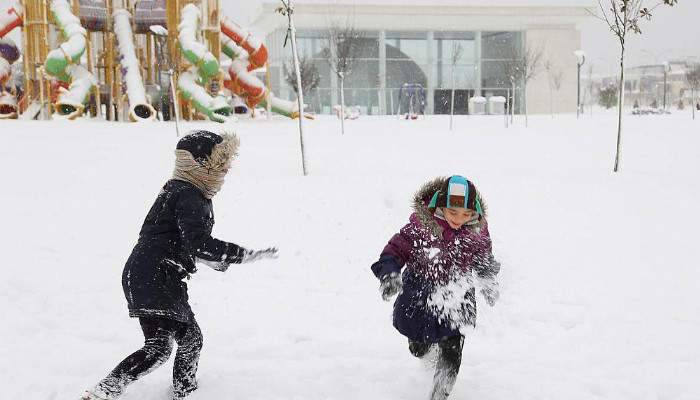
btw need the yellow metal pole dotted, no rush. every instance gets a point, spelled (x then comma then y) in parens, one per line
(44, 52)
(25, 51)
(268, 92)
(96, 72)
(108, 76)
(173, 16)
(35, 48)
(212, 35)
(149, 58)
(41, 88)
(109, 61)
(117, 79)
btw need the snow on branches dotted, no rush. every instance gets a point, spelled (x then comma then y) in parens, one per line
(624, 16)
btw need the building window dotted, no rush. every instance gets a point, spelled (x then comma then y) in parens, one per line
(460, 47)
(410, 59)
(498, 49)
(501, 45)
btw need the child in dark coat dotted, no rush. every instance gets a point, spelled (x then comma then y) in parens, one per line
(443, 247)
(175, 236)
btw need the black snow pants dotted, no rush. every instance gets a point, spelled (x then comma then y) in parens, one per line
(448, 363)
(159, 334)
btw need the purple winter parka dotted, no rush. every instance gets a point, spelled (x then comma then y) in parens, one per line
(438, 296)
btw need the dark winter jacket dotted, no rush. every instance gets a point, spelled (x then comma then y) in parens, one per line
(175, 234)
(438, 298)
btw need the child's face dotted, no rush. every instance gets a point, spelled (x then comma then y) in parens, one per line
(458, 216)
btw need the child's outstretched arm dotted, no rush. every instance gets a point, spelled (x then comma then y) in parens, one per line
(218, 254)
(392, 259)
(486, 268)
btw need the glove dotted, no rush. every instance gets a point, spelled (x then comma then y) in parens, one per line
(390, 285)
(255, 255)
(489, 289)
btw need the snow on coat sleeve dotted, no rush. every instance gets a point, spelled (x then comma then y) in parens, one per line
(485, 265)
(395, 254)
(194, 223)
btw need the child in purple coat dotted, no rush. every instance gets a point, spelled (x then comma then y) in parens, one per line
(444, 248)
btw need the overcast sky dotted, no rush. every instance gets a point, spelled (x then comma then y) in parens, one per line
(673, 33)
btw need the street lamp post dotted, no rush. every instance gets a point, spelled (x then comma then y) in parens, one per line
(580, 60)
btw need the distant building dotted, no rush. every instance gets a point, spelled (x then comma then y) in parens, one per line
(411, 43)
(644, 84)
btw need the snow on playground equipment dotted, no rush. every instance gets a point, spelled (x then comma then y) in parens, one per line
(139, 107)
(11, 19)
(8, 106)
(109, 57)
(8, 101)
(247, 54)
(9, 53)
(204, 64)
(64, 62)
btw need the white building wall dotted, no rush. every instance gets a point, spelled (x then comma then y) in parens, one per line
(558, 46)
(555, 29)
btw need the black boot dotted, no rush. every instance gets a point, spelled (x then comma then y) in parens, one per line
(449, 361)
(189, 345)
(419, 349)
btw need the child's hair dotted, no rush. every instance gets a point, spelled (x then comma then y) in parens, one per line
(457, 191)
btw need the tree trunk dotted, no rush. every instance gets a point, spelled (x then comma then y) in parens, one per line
(525, 93)
(391, 102)
(512, 106)
(175, 102)
(342, 104)
(300, 93)
(692, 96)
(620, 105)
(452, 97)
(551, 101)
(505, 108)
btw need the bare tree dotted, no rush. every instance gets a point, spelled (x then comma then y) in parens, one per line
(310, 77)
(692, 76)
(457, 51)
(511, 68)
(521, 68)
(623, 17)
(342, 51)
(530, 67)
(287, 9)
(555, 77)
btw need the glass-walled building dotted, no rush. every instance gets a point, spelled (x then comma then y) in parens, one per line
(467, 49)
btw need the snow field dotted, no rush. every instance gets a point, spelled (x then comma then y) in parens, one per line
(599, 280)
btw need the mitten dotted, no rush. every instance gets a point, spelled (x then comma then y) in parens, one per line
(489, 289)
(255, 255)
(390, 285)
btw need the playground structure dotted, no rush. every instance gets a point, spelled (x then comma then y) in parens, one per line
(411, 100)
(130, 61)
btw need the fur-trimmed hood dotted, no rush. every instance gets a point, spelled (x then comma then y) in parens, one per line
(426, 216)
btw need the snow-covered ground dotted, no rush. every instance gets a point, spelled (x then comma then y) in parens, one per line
(600, 279)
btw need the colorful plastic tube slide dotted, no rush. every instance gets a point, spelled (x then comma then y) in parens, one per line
(11, 19)
(247, 54)
(139, 107)
(204, 67)
(64, 62)
(9, 53)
